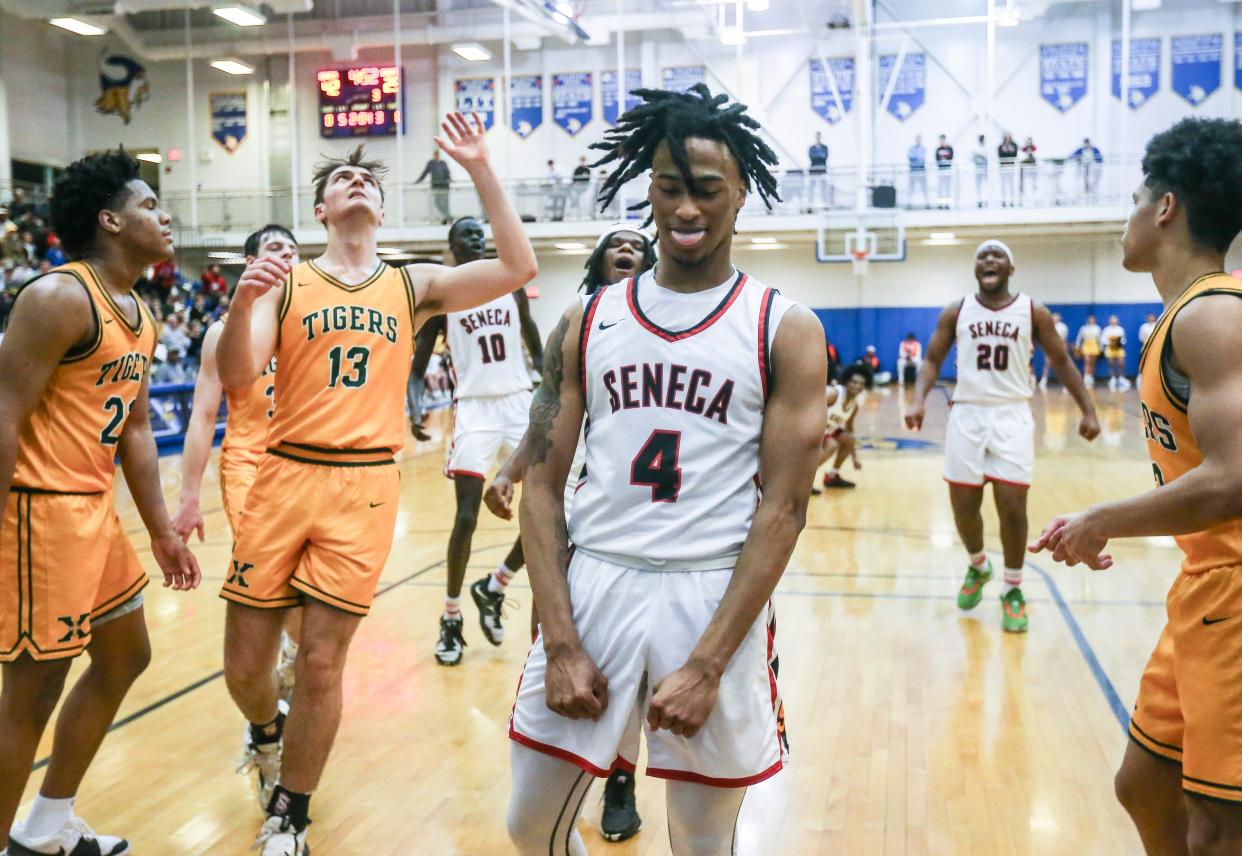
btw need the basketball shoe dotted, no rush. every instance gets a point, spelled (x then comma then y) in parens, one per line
(264, 760)
(285, 668)
(620, 820)
(449, 648)
(73, 837)
(279, 838)
(971, 592)
(835, 480)
(1013, 606)
(489, 603)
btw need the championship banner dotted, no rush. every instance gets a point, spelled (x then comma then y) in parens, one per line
(1237, 60)
(680, 78)
(608, 93)
(1196, 66)
(228, 119)
(572, 100)
(822, 100)
(911, 84)
(477, 94)
(525, 103)
(1144, 70)
(1063, 74)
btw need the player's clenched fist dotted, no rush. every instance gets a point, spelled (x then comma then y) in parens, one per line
(260, 277)
(576, 688)
(499, 497)
(914, 417)
(683, 701)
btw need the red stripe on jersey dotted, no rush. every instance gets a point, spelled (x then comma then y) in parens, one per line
(588, 317)
(765, 310)
(631, 297)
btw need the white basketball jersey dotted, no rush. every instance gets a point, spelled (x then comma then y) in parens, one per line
(994, 348)
(673, 425)
(840, 413)
(486, 344)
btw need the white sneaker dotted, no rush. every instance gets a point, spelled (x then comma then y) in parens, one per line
(1043, 383)
(73, 837)
(264, 759)
(285, 668)
(279, 838)
(1090, 381)
(1125, 384)
(1112, 384)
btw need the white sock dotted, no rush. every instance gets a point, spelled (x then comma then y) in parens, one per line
(979, 562)
(1013, 579)
(831, 472)
(452, 607)
(48, 816)
(500, 580)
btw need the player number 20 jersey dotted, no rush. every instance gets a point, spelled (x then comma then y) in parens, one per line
(486, 344)
(673, 425)
(994, 352)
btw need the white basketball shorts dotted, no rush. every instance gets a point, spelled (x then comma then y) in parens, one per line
(989, 442)
(639, 626)
(484, 429)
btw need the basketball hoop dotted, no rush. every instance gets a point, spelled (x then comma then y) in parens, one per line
(860, 256)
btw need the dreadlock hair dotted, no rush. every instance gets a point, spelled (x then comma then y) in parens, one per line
(255, 239)
(1199, 161)
(86, 187)
(327, 166)
(672, 118)
(594, 279)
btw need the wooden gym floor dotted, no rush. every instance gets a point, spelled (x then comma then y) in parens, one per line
(916, 729)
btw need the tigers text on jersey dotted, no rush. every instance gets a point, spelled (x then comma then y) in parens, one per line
(673, 425)
(840, 412)
(1165, 395)
(69, 445)
(344, 353)
(994, 349)
(486, 344)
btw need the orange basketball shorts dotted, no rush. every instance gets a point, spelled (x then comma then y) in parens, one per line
(1189, 708)
(238, 468)
(314, 528)
(64, 562)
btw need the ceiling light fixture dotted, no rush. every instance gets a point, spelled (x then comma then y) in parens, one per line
(942, 236)
(763, 240)
(472, 51)
(77, 25)
(732, 36)
(570, 245)
(232, 66)
(149, 157)
(242, 16)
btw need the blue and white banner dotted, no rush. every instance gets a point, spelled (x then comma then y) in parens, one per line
(822, 100)
(608, 93)
(1144, 70)
(680, 78)
(910, 87)
(228, 119)
(1196, 66)
(477, 94)
(525, 103)
(1063, 74)
(573, 100)
(1237, 60)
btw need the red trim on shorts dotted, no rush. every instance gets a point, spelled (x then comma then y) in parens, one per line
(631, 297)
(557, 752)
(685, 776)
(454, 473)
(987, 478)
(964, 484)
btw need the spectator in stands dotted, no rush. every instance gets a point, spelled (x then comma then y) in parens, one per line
(171, 370)
(909, 358)
(979, 154)
(817, 154)
(1144, 331)
(12, 249)
(55, 254)
(441, 181)
(916, 157)
(553, 183)
(1007, 155)
(944, 165)
(20, 206)
(834, 360)
(213, 282)
(1088, 158)
(581, 182)
(6, 223)
(1028, 172)
(164, 278)
(174, 336)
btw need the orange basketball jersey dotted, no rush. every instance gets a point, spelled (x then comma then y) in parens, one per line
(70, 443)
(1166, 395)
(344, 354)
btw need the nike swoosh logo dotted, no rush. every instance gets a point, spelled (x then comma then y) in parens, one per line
(107, 320)
(604, 326)
(303, 284)
(376, 504)
(1207, 621)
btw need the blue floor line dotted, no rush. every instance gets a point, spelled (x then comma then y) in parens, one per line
(1088, 653)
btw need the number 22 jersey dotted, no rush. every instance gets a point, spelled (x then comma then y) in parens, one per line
(994, 349)
(673, 421)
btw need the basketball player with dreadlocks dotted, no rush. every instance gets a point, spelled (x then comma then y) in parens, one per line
(623, 250)
(491, 407)
(697, 382)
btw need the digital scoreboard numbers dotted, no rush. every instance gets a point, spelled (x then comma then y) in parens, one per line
(363, 101)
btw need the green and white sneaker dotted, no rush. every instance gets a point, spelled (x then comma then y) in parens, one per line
(971, 592)
(1014, 606)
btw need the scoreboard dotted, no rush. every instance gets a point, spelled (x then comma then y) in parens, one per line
(360, 101)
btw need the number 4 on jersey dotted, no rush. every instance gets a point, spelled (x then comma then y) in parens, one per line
(655, 466)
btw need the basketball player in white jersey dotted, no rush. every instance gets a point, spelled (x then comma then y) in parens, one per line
(623, 250)
(491, 401)
(697, 382)
(991, 433)
(839, 438)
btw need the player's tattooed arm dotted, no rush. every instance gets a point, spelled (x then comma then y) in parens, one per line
(793, 429)
(1057, 354)
(929, 372)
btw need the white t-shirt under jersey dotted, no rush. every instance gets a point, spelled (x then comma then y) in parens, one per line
(994, 349)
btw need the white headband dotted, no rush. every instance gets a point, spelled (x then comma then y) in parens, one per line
(994, 243)
(624, 227)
